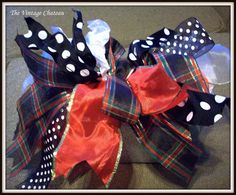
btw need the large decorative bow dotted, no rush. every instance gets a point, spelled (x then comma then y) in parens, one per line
(73, 115)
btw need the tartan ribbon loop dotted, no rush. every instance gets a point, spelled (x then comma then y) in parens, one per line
(119, 101)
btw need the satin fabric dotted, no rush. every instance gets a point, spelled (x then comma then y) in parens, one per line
(155, 90)
(93, 136)
(90, 136)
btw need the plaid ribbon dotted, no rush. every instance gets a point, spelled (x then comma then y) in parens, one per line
(35, 109)
(168, 148)
(120, 102)
(182, 69)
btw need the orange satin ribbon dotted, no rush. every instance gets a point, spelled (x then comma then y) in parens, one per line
(93, 136)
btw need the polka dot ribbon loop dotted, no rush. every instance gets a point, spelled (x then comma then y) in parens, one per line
(199, 109)
(189, 38)
(42, 176)
(73, 56)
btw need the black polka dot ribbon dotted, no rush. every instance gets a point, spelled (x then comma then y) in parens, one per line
(42, 176)
(74, 57)
(189, 38)
(199, 109)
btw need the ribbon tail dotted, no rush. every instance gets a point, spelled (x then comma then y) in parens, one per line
(90, 136)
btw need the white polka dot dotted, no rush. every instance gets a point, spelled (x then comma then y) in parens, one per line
(175, 44)
(203, 34)
(189, 23)
(32, 46)
(174, 52)
(29, 187)
(79, 25)
(196, 25)
(201, 41)
(70, 67)
(50, 138)
(135, 41)
(44, 179)
(23, 186)
(180, 45)
(49, 131)
(48, 178)
(80, 46)
(51, 50)
(44, 187)
(135, 51)
(180, 37)
(40, 180)
(37, 173)
(161, 49)
(166, 31)
(179, 52)
(53, 122)
(168, 43)
(187, 30)
(194, 39)
(197, 21)
(150, 38)
(65, 54)
(195, 32)
(62, 117)
(168, 50)
(84, 72)
(36, 180)
(144, 46)
(186, 38)
(59, 38)
(55, 137)
(41, 166)
(205, 105)
(42, 34)
(48, 172)
(189, 116)
(181, 30)
(217, 117)
(181, 104)
(162, 44)
(186, 46)
(210, 38)
(219, 99)
(185, 54)
(35, 187)
(149, 42)
(192, 47)
(58, 127)
(28, 34)
(39, 187)
(203, 29)
(175, 37)
(132, 57)
(82, 61)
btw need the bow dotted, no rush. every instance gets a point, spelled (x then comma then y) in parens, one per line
(73, 115)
